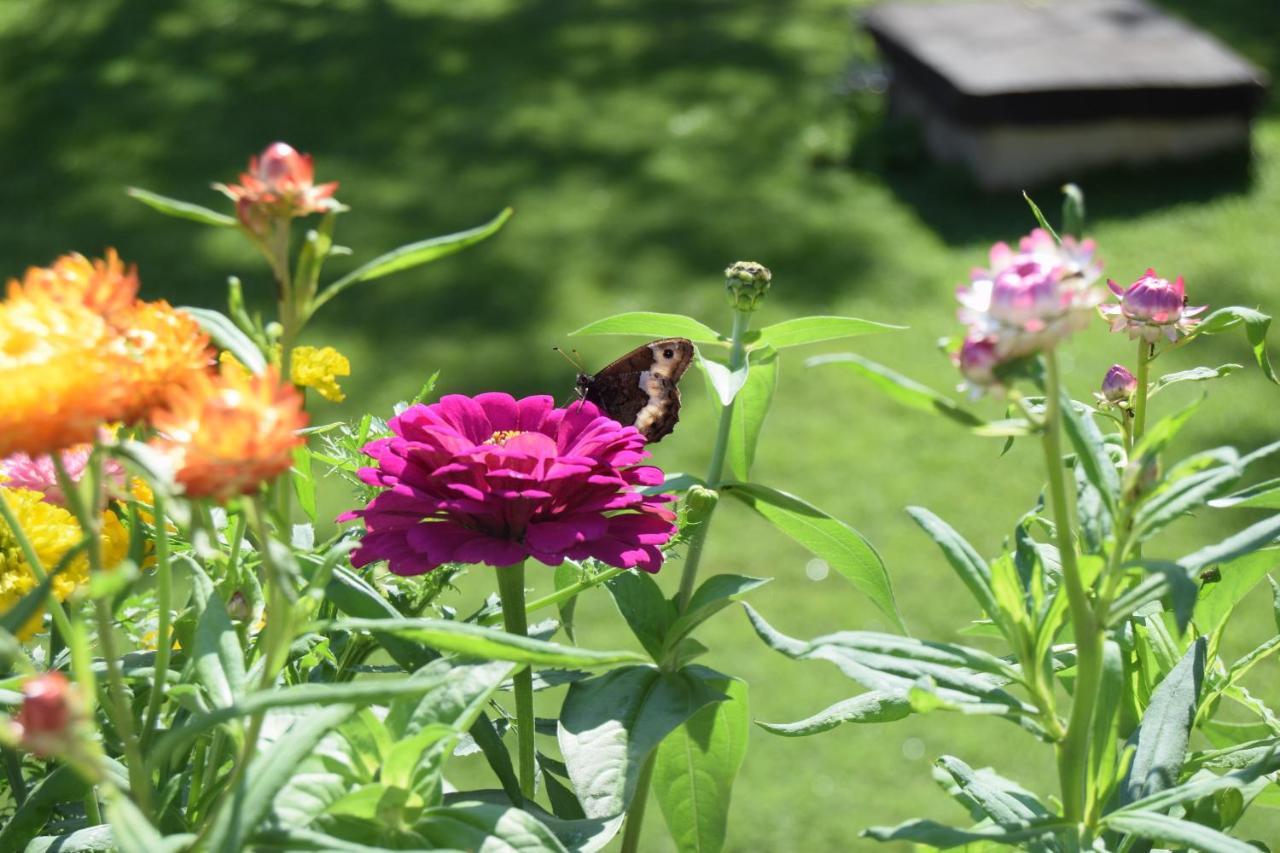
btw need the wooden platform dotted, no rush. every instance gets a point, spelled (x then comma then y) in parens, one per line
(1025, 92)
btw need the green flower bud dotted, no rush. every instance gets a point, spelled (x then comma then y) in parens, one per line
(699, 502)
(746, 283)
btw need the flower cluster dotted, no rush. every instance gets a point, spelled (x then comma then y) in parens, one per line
(279, 185)
(495, 480)
(52, 532)
(1026, 301)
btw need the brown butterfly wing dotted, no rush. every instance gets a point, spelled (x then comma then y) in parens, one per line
(640, 388)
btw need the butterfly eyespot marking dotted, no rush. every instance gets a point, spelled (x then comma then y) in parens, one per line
(666, 353)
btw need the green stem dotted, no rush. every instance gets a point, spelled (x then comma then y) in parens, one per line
(92, 810)
(635, 817)
(559, 596)
(164, 601)
(511, 592)
(715, 471)
(1140, 396)
(1073, 751)
(13, 771)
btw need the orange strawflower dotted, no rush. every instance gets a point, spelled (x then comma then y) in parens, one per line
(164, 347)
(226, 433)
(60, 371)
(105, 286)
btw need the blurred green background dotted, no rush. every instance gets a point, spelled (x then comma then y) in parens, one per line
(644, 146)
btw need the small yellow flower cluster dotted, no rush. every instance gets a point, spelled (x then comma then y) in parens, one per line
(319, 368)
(52, 532)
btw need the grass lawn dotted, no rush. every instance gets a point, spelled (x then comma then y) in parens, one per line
(644, 147)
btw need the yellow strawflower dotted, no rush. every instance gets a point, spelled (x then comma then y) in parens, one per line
(52, 531)
(318, 368)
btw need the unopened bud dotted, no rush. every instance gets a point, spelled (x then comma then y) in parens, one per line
(699, 503)
(238, 607)
(51, 710)
(1118, 386)
(746, 283)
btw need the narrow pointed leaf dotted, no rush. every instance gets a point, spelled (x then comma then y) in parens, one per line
(227, 336)
(1265, 495)
(181, 209)
(812, 330)
(870, 707)
(1161, 739)
(844, 548)
(1255, 330)
(906, 391)
(966, 562)
(749, 411)
(1162, 827)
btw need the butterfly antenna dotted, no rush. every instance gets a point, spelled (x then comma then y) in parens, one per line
(575, 359)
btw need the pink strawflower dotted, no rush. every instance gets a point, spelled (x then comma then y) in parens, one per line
(280, 184)
(1151, 307)
(1118, 387)
(1030, 300)
(21, 471)
(977, 361)
(494, 480)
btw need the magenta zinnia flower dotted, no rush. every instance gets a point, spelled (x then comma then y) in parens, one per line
(1151, 307)
(1032, 299)
(494, 480)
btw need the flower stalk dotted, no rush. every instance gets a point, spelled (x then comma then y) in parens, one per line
(164, 601)
(1140, 396)
(1073, 750)
(511, 593)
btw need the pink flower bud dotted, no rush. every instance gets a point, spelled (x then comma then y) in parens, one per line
(280, 164)
(977, 360)
(50, 709)
(1118, 386)
(1151, 307)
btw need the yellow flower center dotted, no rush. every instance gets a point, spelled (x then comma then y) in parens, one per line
(502, 436)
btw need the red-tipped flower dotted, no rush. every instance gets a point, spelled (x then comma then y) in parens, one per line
(51, 708)
(1151, 307)
(280, 184)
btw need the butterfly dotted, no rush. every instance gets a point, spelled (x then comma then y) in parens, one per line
(640, 388)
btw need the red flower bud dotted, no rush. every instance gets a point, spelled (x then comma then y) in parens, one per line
(50, 708)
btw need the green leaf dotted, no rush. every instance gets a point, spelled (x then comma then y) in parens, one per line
(1103, 764)
(968, 565)
(1203, 784)
(906, 391)
(695, 767)
(581, 835)
(181, 209)
(1163, 578)
(362, 693)
(413, 255)
(646, 610)
(132, 832)
(486, 826)
(248, 803)
(1255, 330)
(478, 641)
(1250, 539)
(1195, 374)
(228, 336)
(1004, 802)
(961, 679)
(63, 784)
(716, 593)
(609, 724)
(1235, 579)
(945, 837)
(812, 330)
(1161, 739)
(1091, 452)
(1162, 827)
(304, 481)
(93, 838)
(1180, 497)
(1072, 211)
(871, 707)
(825, 537)
(654, 325)
(1264, 495)
(749, 411)
(218, 658)
(727, 383)
(1036, 212)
